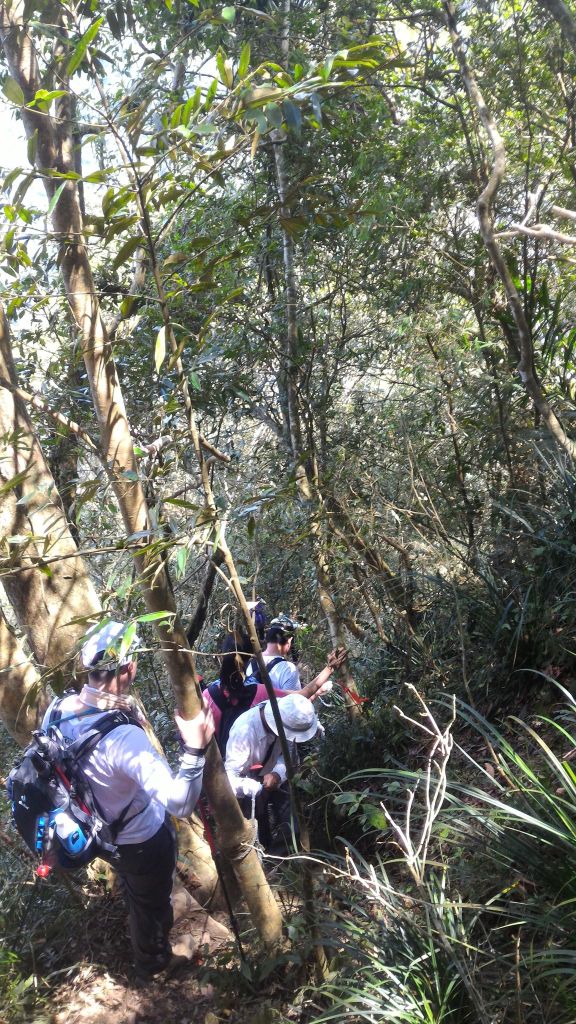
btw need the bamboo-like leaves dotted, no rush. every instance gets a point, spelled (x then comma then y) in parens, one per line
(160, 349)
(81, 47)
(13, 92)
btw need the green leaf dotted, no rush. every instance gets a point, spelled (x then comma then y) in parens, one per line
(68, 176)
(82, 46)
(292, 116)
(126, 251)
(244, 62)
(55, 198)
(211, 94)
(23, 188)
(14, 482)
(316, 106)
(346, 798)
(126, 305)
(43, 98)
(31, 147)
(13, 92)
(195, 381)
(293, 225)
(174, 259)
(181, 503)
(327, 66)
(127, 638)
(154, 616)
(160, 349)
(376, 818)
(11, 178)
(204, 129)
(224, 69)
(181, 560)
(96, 177)
(259, 117)
(273, 115)
(113, 23)
(228, 14)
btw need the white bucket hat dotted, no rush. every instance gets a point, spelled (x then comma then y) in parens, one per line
(298, 717)
(107, 640)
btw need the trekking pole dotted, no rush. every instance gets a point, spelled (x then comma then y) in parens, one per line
(203, 812)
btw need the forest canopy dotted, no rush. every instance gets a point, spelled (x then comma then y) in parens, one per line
(288, 312)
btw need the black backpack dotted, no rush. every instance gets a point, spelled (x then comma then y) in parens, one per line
(233, 703)
(53, 806)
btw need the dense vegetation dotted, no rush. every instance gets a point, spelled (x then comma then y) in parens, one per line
(330, 278)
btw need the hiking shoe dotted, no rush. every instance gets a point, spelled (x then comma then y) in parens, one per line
(147, 976)
(178, 962)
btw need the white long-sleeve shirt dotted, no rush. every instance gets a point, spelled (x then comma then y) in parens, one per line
(249, 743)
(283, 676)
(125, 769)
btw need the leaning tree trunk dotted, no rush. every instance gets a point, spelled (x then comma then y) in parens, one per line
(43, 575)
(485, 208)
(21, 689)
(565, 18)
(54, 152)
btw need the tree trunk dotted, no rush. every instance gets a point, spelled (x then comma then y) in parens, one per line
(21, 689)
(54, 151)
(48, 598)
(307, 487)
(563, 15)
(526, 367)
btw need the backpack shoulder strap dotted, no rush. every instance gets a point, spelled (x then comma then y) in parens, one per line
(53, 713)
(275, 661)
(219, 698)
(256, 674)
(86, 744)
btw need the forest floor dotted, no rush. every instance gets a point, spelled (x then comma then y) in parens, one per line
(93, 981)
(102, 989)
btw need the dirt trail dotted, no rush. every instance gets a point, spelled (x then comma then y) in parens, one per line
(96, 995)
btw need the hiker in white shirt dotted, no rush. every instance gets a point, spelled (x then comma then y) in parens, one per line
(132, 782)
(257, 770)
(284, 674)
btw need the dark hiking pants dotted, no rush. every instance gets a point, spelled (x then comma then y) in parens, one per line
(273, 811)
(147, 871)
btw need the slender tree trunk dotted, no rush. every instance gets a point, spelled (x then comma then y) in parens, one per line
(565, 18)
(307, 487)
(526, 367)
(460, 471)
(370, 604)
(199, 617)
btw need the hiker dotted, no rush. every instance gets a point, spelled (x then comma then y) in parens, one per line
(238, 641)
(132, 782)
(284, 674)
(233, 694)
(256, 768)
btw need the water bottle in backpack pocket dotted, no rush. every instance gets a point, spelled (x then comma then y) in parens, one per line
(53, 807)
